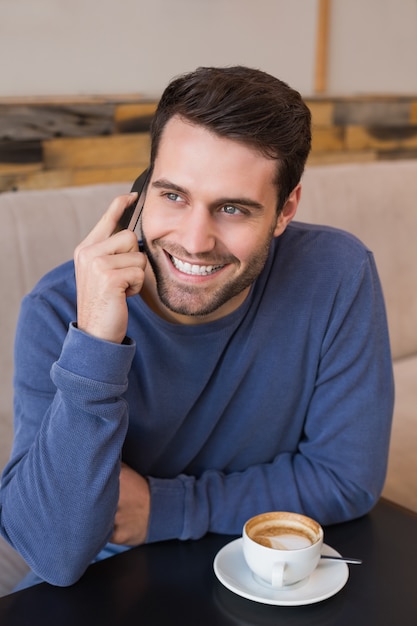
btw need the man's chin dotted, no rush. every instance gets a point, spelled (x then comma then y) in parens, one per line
(187, 308)
(205, 307)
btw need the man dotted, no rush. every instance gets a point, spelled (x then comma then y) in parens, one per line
(240, 364)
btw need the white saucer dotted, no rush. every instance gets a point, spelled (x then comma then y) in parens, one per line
(326, 580)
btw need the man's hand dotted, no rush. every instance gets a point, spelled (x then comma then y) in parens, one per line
(132, 516)
(108, 268)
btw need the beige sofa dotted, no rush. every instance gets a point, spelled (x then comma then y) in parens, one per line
(375, 201)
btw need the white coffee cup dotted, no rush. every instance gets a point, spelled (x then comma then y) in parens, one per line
(282, 548)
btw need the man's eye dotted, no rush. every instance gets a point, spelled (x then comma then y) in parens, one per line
(174, 197)
(231, 210)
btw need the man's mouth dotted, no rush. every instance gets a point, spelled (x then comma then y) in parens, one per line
(192, 269)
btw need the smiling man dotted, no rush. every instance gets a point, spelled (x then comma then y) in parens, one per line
(240, 364)
(208, 226)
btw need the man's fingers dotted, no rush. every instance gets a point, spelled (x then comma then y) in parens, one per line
(107, 224)
(108, 268)
(122, 243)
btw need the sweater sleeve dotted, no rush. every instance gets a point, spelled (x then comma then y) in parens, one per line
(338, 470)
(59, 491)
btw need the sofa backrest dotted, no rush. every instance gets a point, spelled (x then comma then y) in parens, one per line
(377, 202)
(38, 230)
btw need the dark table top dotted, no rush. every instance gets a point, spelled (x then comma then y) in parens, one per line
(174, 583)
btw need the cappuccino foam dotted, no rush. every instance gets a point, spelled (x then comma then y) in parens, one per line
(283, 533)
(285, 541)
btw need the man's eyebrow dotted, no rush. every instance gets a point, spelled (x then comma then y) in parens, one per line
(163, 183)
(243, 201)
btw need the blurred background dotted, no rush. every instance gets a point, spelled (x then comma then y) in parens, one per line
(80, 79)
(79, 83)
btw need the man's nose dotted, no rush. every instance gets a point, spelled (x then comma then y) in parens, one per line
(198, 233)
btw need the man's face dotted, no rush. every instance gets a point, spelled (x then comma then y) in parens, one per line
(207, 224)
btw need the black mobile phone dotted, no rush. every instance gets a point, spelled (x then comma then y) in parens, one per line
(132, 214)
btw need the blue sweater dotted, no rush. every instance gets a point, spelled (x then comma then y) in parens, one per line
(285, 404)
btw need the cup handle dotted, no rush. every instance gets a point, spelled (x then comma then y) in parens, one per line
(278, 574)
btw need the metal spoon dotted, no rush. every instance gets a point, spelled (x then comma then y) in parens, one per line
(342, 558)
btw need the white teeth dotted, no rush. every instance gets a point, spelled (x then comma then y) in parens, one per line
(195, 270)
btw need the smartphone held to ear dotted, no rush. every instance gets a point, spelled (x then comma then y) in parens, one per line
(131, 214)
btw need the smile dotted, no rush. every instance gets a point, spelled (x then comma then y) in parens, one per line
(194, 270)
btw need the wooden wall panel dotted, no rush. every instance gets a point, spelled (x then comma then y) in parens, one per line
(80, 141)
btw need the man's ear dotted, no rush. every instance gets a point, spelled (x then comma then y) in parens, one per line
(288, 211)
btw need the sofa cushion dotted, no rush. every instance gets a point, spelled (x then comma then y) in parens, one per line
(401, 483)
(12, 568)
(377, 202)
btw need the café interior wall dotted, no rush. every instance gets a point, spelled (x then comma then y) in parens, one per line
(373, 47)
(55, 47)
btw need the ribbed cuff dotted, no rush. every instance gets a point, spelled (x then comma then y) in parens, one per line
(167, 509)
(89, 357)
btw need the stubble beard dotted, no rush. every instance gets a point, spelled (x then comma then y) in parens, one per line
(195, 300)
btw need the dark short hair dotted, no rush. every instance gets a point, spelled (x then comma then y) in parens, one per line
(246, 105)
